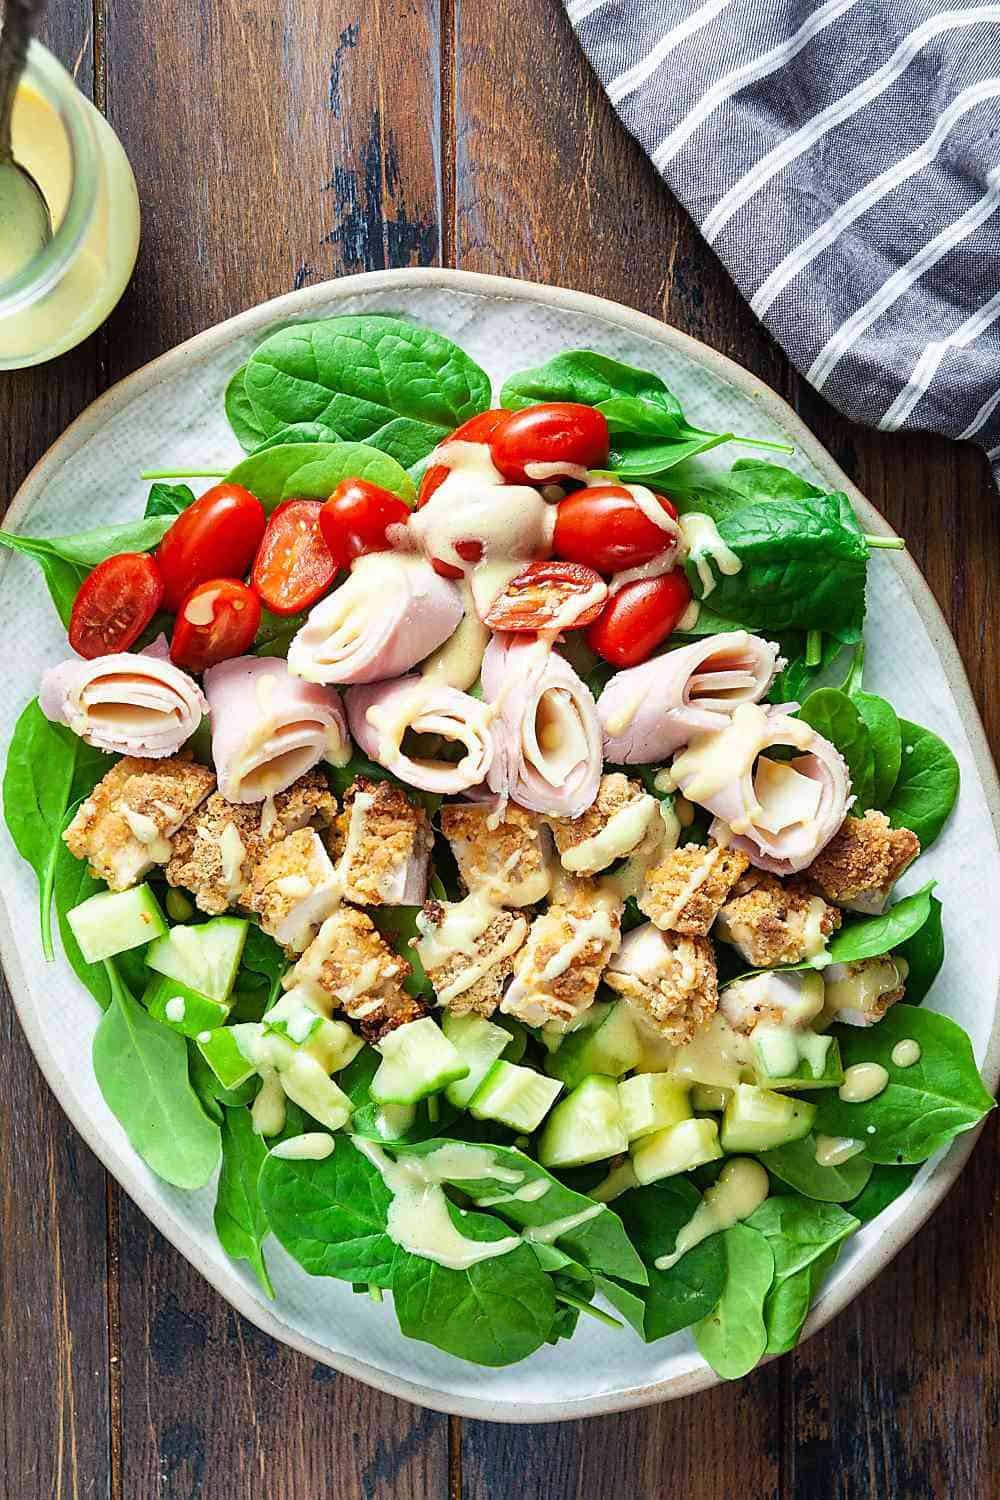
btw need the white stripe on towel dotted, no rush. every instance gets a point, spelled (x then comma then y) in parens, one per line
(627, 82)
(930, 360)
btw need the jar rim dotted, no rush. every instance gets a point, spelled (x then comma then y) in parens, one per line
(45, 73)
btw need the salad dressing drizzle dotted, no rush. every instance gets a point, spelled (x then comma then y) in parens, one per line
(741, 1188)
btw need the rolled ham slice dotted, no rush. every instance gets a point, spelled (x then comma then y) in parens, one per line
(269, 728)
(129, 703)
(781, 813)
(648, 712)
(381, 714)
(548, 736)
(390, 613)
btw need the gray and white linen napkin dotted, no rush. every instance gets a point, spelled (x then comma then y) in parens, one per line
(843, 159)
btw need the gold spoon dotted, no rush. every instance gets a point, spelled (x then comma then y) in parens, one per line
(25, 223)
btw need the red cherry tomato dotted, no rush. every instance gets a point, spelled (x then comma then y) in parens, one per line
(636, 619)
(606, 529)
(546, 596)
(476, 430)
(355, 518)
(115, 604)
(217, 620)
(216, 537)
(563, 435)
(294, 566)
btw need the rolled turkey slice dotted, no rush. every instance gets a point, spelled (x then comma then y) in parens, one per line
(648, 712)
(382, 714)
(548, 736)
(781, 813)
(129, 703)
(389, 614)
(269, 728)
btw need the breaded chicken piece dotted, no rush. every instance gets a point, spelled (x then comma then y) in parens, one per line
(859, 994)
(612, 826)
(467, 949)
(669, 977)
(126, 825)
(216, 850)
(293, 889)
(557, 972)
(384, 842)
(684, 892)
(349, 966)
(512, 862)
(862, 862)
(770, 922)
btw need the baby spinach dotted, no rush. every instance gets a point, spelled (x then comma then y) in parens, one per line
(883, 727)
(870, 937)
(240, 1220)
(797, 1167)
(374, 380)
(242, 417)
(927, 786)
(833, 715)
(398, 924)
(788, 1304)
(210, 1091)
(924, 953)
(72, 883)
(804, 1238)
(793, 682)
(299, 432)
(376, 1123)
(733, 1336)
(674, 1299)
(262, 957)
(168, 499)
(65, 561)
(922, 1107)
(883, 1187)
(312, 471)
(141, 1068)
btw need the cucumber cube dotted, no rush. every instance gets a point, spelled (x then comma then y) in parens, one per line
(205, 957)
(479, 1044)
(586, 1126)
(757, 1119)
(652, 1101)
(295, 1020)
(709, 1100)
(608, 1044)
(115, 921)
(233, 1052)
(812, 1062)
(417, 1060)
(183, 1008)
(679, 1148)
(518, 1097)
(307, 1084)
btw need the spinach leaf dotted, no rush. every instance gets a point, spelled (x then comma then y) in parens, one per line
(263, 957)
(803, 565)
(883, 1187)
(734, 1336)
(72, 883)
(924, 952)
(642, 457)
(362, 376)
(240, 1220)
(801, 1234)
(923, 1107)
(883, 726)
(833, 715)
(211, 1092)
(376, 1123)
(312, 471)
(788, 1303)
(331, 1215)
(275, 633)
(141, 1068)
(494, 1313)
(794, 681)
(398, 925)
(870, 937)
(168, 499)
(65, 561)
(674, 1299)
(797, 1167)
(242, 417)
(927, 786)
(299, 432)
(758, 479)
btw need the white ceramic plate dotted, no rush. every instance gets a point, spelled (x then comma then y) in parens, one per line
(171, 415)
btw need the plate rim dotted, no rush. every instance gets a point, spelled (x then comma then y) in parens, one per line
(227, 1281)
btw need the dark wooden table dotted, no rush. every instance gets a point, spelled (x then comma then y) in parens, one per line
(281, 142)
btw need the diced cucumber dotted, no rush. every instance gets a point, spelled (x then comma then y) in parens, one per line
(417, 1060)
(115, 921)
(479, 1044)
(656, 1054)
(652, 1101)
(232, 1052)
(294, 1018)
(756, 1119)
(205, 957)
(809, 1062)
(679, 1148)
(586, 1126)
(707, 1099)
(517, 1044)
(307, 1084)
(181, 1007)
(608, 1044)
(515, 1096)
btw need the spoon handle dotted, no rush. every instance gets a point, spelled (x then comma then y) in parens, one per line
(19, 18)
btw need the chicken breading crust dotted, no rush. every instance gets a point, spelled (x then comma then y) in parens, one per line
(557, 972)
(129, 822)
(351, 967)
(474, 980)
(682, 994)
(865, 855)
(512, 861)
(685, 891)
(771, 922)
(384, 841)
(599, 836)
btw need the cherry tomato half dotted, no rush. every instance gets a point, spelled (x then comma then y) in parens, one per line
(606, 529)
(115, 604)
(477, 429)
(216, 537)
(355, 518)
(562, 436)
(639, 617)
(294, 566)
(217, 620)
(548, 596)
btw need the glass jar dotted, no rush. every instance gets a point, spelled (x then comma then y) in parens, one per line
(71, 286)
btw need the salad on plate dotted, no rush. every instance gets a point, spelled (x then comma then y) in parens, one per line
(471, 818)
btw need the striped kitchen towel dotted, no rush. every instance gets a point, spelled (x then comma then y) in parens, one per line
(843, 159)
